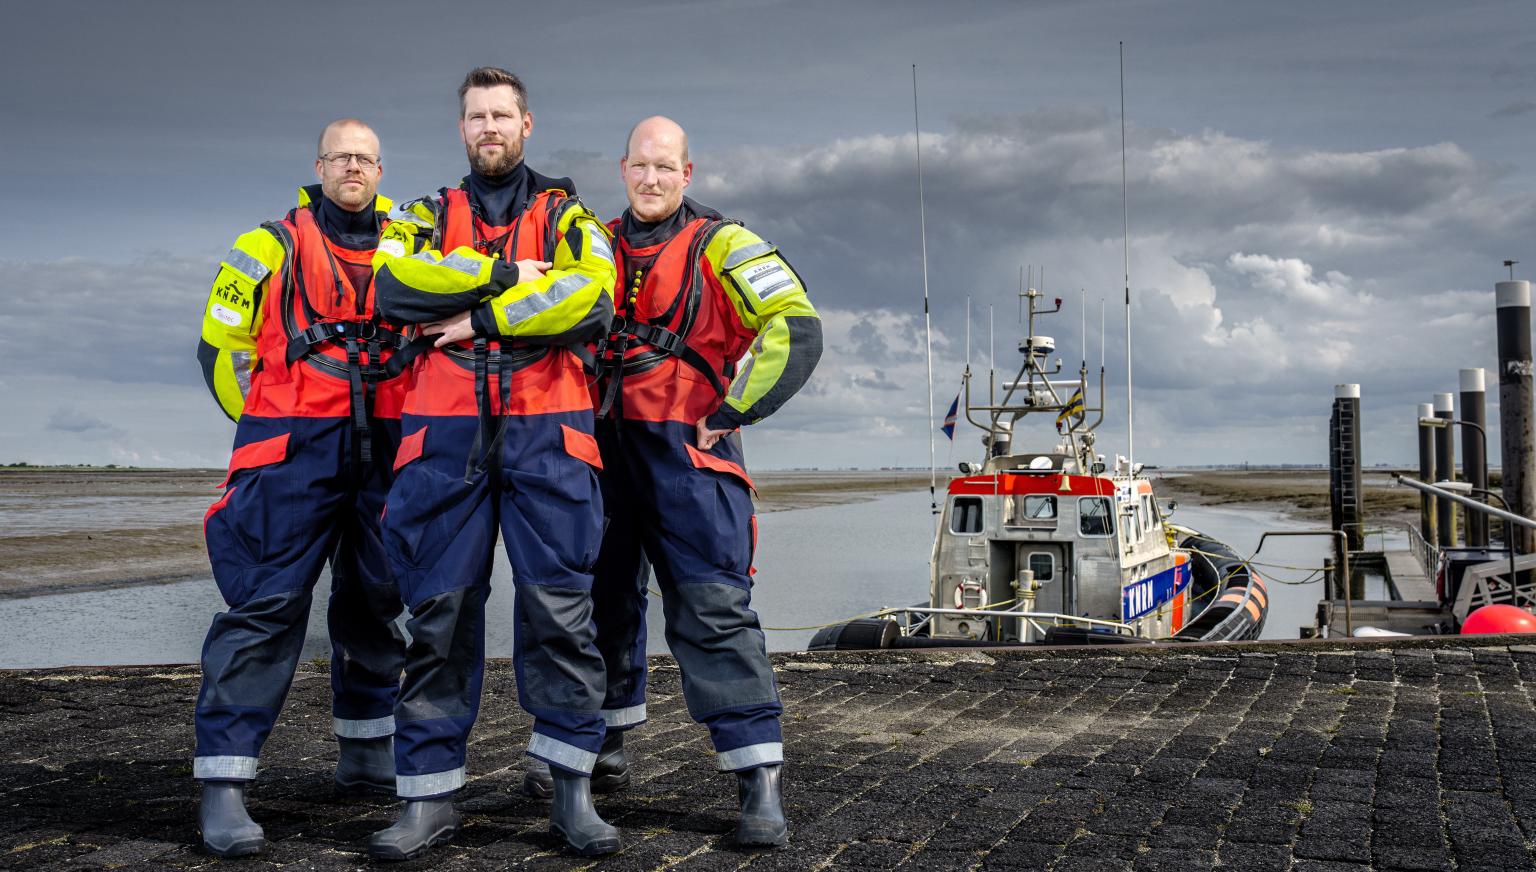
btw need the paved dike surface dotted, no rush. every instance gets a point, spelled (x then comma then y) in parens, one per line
(1306, 756)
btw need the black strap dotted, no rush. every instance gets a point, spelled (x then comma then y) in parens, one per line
(474, 464)
(361, 433)
(612, 364)
(672, 344)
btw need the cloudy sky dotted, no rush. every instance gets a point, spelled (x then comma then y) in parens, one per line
(1319, 192)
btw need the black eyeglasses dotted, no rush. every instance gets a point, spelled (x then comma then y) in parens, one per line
(340, 159)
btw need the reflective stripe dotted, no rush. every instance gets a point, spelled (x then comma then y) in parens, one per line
(562, 754)
(432, 784)
(625, 717)
(252, 268)
(600, 245)
(765, 754)
(374, 728)
(746, 253)
(739, 388)
(533, 304)
(240, 363)
(466, 265)
(223, 768)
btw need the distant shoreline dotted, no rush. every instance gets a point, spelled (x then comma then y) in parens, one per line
(147, 529)
(137, 527)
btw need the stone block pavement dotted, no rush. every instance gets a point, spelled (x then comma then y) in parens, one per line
(1316, 757)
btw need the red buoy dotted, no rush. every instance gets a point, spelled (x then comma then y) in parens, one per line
(1499, 619)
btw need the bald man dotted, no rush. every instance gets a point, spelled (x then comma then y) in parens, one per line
(292, 351)
(696, 293)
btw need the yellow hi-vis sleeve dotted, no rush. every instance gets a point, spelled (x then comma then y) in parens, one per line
(571, 303)
(770, 300)
(232, 318)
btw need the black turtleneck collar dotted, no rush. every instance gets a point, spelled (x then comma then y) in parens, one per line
(357, 231)
(640, 234)
(500, 198)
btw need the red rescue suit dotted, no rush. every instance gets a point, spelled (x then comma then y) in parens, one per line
(311, 466)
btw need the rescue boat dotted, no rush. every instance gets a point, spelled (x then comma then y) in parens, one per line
(1055, 547)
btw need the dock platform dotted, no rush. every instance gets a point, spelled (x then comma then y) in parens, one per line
(1319, 756)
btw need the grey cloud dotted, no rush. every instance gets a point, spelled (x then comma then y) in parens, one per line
(68, 419)
(122, 322)
(1515, 109)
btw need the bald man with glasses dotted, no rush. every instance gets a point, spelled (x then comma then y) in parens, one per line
(293, 352)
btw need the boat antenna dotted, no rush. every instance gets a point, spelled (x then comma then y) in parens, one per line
(1125, 214)
(1084, 346)
(992, 358)
(967, 333)
(922, 219)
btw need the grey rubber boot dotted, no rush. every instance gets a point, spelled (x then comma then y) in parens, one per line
(228, 830)
(610, 773)
(366, 765)
(762, 822)
(572, 817)
(423, 823)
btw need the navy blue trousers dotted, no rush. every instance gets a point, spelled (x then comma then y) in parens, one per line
(541, 494)
(296, 499)
(688, 515)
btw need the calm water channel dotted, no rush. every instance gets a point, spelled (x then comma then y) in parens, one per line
(815, 565)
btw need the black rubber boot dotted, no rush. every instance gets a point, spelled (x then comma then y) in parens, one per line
(572, 817)
(366, 765)
(423, 823)
(762, 822)
(610, 773)
(228, 830)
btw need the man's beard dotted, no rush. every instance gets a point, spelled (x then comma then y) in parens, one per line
(511, 156)
(339, 194)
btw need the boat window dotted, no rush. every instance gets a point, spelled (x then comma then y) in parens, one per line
(965, 515)
(1039, 508)
(1149, 507)
(1094, 518)
(1043, 565)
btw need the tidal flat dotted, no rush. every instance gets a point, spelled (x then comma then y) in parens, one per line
(91, 528)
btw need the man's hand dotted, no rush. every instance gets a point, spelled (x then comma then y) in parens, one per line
(706, 438)
(455, 329)
(528, 270)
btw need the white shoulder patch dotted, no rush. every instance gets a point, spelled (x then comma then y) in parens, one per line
(392, 247)
(766, 278)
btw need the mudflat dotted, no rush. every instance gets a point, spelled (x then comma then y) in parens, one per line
(81, 529)
(73, 529)
(1300, 493)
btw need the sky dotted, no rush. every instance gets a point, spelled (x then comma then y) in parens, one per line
(1317, 193)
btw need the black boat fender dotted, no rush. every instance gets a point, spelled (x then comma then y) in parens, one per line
(1232, 600)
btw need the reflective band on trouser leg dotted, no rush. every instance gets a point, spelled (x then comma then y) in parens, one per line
(751, 756)
(224, 768)
(377, 728)
(562, 754)
(439, 533)
(428, 786)
(551, 524)
(624, 718)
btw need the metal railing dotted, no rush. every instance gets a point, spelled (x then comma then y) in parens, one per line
(917, 617)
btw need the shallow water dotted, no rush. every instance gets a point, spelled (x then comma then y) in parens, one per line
(815, 566)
